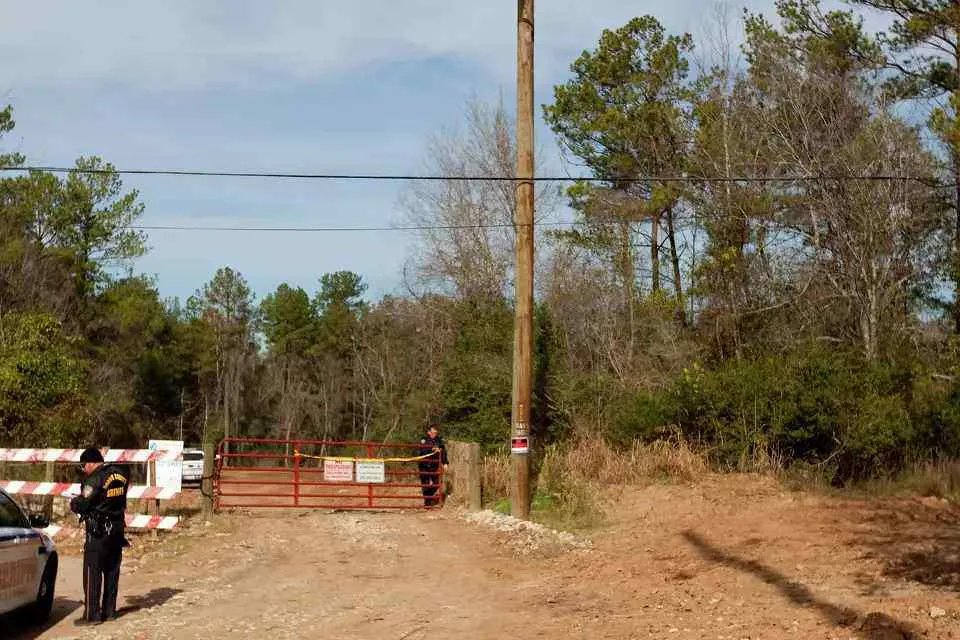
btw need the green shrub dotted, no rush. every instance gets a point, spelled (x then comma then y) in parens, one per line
(815, 405)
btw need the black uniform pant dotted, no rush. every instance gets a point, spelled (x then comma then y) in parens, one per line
(101, 575)
(429, 484)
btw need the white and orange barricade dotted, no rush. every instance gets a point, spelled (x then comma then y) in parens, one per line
(68, 490)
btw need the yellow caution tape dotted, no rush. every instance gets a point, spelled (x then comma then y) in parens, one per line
(351, 459)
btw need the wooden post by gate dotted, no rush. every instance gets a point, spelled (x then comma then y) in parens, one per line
(206, 482)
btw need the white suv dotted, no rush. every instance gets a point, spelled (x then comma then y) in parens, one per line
(28, 562)
(192, 465)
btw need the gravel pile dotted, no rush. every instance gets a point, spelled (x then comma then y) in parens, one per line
(366, 531)
(525, 537)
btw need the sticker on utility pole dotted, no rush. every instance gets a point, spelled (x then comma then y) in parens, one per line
(337, 470)
(370, 471)
(520, 445)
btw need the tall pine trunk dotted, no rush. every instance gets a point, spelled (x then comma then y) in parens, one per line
(675, 262)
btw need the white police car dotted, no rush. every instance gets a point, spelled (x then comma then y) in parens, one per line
(28, 562)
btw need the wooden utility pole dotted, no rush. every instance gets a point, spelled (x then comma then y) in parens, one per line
(523, 223)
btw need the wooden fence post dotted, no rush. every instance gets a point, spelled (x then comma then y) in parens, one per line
(465, 468)
(474, 493)
(206, 483)
(152, 469)
(48, 500)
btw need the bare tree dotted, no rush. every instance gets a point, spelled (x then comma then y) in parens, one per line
(839, 259)
(465, 227)
(876, 242)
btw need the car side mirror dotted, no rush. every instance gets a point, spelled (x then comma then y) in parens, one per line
(39, 521)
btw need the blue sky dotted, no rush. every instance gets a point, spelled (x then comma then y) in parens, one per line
(280, 86)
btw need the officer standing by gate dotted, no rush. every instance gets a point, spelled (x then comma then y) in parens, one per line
(430, 467)
(102, 504)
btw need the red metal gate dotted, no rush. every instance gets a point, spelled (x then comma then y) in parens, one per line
(326, 474)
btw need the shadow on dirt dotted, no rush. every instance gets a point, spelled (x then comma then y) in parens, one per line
(873, 626)
(154, 598)
(18, 628)
(14, 626)
(914, 540)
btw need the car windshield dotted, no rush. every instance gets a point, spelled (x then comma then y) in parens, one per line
(193, 455)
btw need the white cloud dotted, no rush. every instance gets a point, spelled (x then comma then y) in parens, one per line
(180, 83)
(179, 44)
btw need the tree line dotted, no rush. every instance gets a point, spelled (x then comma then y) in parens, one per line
(764, 262)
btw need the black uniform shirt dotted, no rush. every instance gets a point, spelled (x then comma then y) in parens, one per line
(428, 444)
(103, 495)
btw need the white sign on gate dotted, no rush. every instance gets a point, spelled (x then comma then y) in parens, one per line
(370, 471)
(337, 470)
(169, 472)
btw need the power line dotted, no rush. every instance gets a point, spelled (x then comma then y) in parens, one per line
(426, 227)
(468, 178)
(324, 229)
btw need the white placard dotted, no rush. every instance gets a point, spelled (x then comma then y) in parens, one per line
(169, 472)
(370, 471)
(337, 471)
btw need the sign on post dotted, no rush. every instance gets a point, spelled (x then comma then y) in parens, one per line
(169, 472)
(370, 471)
(520, 445)
(337, 470)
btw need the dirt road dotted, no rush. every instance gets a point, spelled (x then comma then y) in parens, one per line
(731, 557)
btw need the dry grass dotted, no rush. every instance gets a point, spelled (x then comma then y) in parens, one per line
(762, 459)
(927, 479)
(572, 477)
(495, 477)
(596, 461)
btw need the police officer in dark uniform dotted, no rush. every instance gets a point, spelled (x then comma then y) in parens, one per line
(101, 505)
(430, 467)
